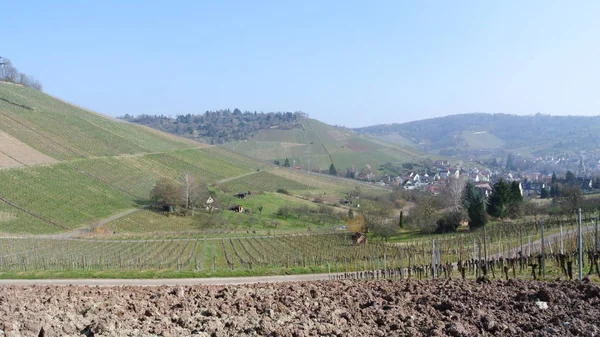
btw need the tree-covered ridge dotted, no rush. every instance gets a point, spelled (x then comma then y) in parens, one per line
(538, 134)
(8, 73)
(220, 126)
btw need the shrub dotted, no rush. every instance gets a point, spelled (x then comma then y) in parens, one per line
(450, 221)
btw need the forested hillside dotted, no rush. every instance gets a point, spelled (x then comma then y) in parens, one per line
(220, 126)
(466, 133)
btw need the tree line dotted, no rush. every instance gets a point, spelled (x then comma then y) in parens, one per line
(220, 126)
(8, 73)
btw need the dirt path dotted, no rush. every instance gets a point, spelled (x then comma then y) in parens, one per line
(234, 178)
(87, 229)
(172, 282)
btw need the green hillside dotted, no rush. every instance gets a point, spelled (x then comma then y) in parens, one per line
(63, 167)
(323, 145)
(538, 135)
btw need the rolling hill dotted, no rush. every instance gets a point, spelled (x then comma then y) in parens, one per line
(279, 135)
(63, 167)
(537, 135)
(323, 145)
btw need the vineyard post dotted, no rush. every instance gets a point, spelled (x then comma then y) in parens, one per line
(433, 258)
(580, 248)
(474, 265)
(384, 261)
(485, 256)
(479, 261)
(596, 248)
(543, 250)
(521, 255)
(562, 248)
(509, 253)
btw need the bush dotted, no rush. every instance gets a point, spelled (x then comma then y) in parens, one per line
(283, 191)
(450, 221)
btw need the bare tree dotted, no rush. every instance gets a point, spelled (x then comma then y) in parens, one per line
(376, 215)
(454, 191)
(9, 73)
(193, 192)
(422, 216)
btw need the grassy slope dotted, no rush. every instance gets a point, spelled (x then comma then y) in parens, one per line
(106, 166)
(63, 131)
(326, 145)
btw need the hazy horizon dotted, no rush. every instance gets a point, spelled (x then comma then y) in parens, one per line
(355, 65)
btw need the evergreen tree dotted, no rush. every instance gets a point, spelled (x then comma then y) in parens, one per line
(349, 174)
(554, 191)
(276, 162)
(544, 194)
(500, 199)
(570, 178)
(401, 220)
(515, 193)
(510, 162)
(286, 163)
(332, 170)
(554, 179)
(473, 203)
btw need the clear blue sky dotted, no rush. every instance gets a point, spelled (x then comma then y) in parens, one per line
(352, 63)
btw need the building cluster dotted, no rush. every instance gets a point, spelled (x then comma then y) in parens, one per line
(437, 179)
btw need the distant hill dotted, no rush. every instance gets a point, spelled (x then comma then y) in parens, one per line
(63, 167)
(322, 145)
(276, 136)
(482, 133)
(218, 127)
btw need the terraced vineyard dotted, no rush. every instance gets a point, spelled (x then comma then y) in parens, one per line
(64, 131)
(15, 220)
(78, 167)
(62, 195)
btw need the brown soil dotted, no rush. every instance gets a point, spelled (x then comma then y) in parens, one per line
(337, 135)
(327, 308)
(356, 147)
(14, 153)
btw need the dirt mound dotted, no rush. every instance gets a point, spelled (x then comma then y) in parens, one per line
(331, 308)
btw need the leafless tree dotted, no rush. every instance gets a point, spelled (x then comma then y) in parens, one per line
(454, 191)
(194, 192)
(9, 73)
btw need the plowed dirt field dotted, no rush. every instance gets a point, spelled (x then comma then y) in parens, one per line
(325, 308)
